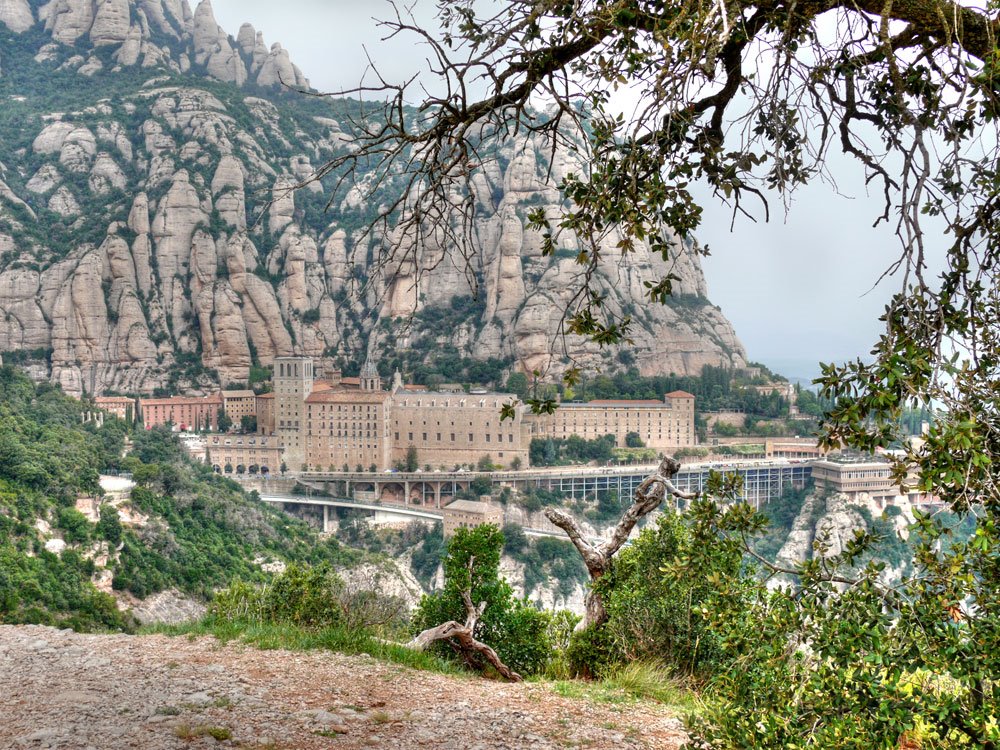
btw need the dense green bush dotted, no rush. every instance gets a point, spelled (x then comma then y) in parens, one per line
(301, 595)
(517, 631)
(427, 556)
(74, 525)
(55, 590)
(109, 527)
(842, 659)
(571, 450)
(654, 615)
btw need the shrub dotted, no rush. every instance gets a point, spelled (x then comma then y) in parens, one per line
(516, 630)
(75, 526)
(109, 527)
(655, 616)
(309, 597)
(589, 653)
(302, 595)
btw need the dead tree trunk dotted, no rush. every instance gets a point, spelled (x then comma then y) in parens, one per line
(598, 558)
(461, 638)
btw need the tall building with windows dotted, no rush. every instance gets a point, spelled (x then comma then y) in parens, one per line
(349, 426)
(293, 384)
(663, 425)
(325, 425)
(239, 404)
(454, 429)
(194, 413)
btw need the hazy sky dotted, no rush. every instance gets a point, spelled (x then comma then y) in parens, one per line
(797, 290)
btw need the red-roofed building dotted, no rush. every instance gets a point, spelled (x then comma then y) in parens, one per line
(347, 424)
(187, 413)
(122, 407)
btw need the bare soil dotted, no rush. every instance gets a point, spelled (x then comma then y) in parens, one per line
(60, 689)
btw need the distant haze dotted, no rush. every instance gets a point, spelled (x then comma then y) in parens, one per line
(798, 291)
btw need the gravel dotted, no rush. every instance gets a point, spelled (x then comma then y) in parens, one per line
(60, 689)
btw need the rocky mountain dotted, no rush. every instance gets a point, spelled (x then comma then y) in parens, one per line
(149, 236)
(825, 522)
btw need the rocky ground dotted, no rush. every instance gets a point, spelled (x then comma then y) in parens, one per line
(60, 689)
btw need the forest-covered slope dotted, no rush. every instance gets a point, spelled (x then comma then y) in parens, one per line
(64, 559)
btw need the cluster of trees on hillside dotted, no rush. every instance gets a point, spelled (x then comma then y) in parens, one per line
(47, 458)
(571, 450)
(203, 530)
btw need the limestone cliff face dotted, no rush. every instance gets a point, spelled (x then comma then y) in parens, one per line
(153, 33)
(16, 14)
(826, 524)
(151, 238)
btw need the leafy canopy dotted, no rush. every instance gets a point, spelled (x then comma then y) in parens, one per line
(511, 626)
(751, 99)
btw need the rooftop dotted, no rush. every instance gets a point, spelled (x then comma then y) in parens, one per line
(469, 506)
(331, 396)
(619, 402)
(180, 400)
(238, 394)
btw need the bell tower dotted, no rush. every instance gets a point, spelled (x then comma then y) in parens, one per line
(370, 380)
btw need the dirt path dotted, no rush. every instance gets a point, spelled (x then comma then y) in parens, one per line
(59, 689)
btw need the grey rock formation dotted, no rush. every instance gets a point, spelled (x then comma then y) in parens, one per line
(278, 70)
(111, 23)
(180, 241)
(16, 15)
(68, 20)
(827, 522)
(130, 26)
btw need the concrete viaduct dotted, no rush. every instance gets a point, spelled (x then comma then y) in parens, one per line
(383, 511)
(763, 480)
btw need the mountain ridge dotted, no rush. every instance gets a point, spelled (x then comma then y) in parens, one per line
(150, 239)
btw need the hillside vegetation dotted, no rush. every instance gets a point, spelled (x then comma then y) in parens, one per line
(185, 528)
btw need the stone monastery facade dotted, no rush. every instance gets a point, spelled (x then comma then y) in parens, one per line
(335, 423)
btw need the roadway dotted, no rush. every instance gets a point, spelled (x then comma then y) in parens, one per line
(406, 511)
(763, 481)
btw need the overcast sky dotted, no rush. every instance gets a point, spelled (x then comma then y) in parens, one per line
(797, 290)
